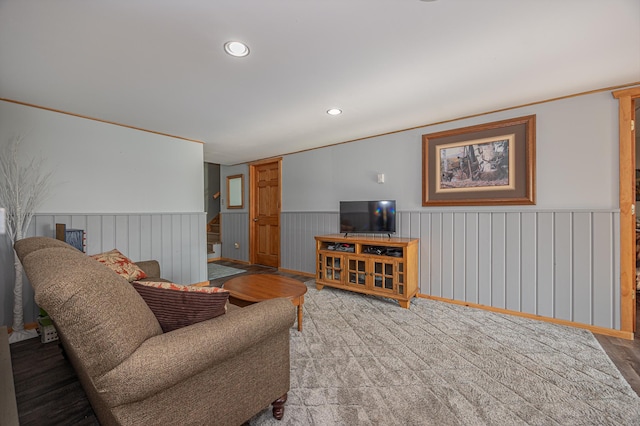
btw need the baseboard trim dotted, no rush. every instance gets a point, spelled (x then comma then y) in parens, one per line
(292, 271)
(244, 262)
(628, 335)
(27, 326)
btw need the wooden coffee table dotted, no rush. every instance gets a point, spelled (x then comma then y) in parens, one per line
(247, 289)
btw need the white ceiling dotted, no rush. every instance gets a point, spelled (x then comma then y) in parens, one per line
(389, 64)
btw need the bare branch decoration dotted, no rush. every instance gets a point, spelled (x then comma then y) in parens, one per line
(23, 187)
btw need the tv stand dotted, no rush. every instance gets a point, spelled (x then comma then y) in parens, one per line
(374, 265)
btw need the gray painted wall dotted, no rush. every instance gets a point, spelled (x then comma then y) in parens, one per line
(234, 222)
(212, 185)
(577, 161)
(559, 258)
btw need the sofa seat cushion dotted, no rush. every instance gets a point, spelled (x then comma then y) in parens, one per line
(176, 306)
(151, 268)
(221, 344)
(120, 264)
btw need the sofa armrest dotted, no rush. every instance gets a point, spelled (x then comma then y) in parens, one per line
(167, 359)
(150, 267)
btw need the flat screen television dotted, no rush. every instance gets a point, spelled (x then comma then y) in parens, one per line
(368, 217)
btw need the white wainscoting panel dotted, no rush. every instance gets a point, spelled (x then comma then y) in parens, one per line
(176, 240)
(297, 243)
(557, 264)
(234, 228)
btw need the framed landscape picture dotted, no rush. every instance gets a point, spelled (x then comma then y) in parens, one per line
(487, 164)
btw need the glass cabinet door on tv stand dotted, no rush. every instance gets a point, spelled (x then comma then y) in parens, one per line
(357, 271)
(383, 274)
(379, 265)
(329, 267)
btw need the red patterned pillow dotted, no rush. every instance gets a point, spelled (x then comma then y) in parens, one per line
(177, 306)
(121, 264)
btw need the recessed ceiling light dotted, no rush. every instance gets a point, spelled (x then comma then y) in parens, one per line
(236, 48)
(334, 111)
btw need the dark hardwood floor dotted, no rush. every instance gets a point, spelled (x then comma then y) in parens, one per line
(47, 388)
(625, 354)
(48, 391)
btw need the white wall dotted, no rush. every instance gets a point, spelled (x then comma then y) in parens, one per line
(101, 169)
(577, 161)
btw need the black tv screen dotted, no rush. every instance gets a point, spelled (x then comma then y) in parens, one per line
(368, 217)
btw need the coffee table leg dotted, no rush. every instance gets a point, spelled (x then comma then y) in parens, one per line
(299, 302)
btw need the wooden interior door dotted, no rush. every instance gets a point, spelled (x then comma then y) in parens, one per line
(626, 117)
(634, 293)
(265, 212)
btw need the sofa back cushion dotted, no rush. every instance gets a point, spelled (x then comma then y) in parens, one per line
(176, 306)
(27, 245)
(99, 313)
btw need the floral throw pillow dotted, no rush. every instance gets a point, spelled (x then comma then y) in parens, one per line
(176, 306)
(120, 264)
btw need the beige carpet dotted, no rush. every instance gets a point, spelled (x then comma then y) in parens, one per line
(363, 360)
